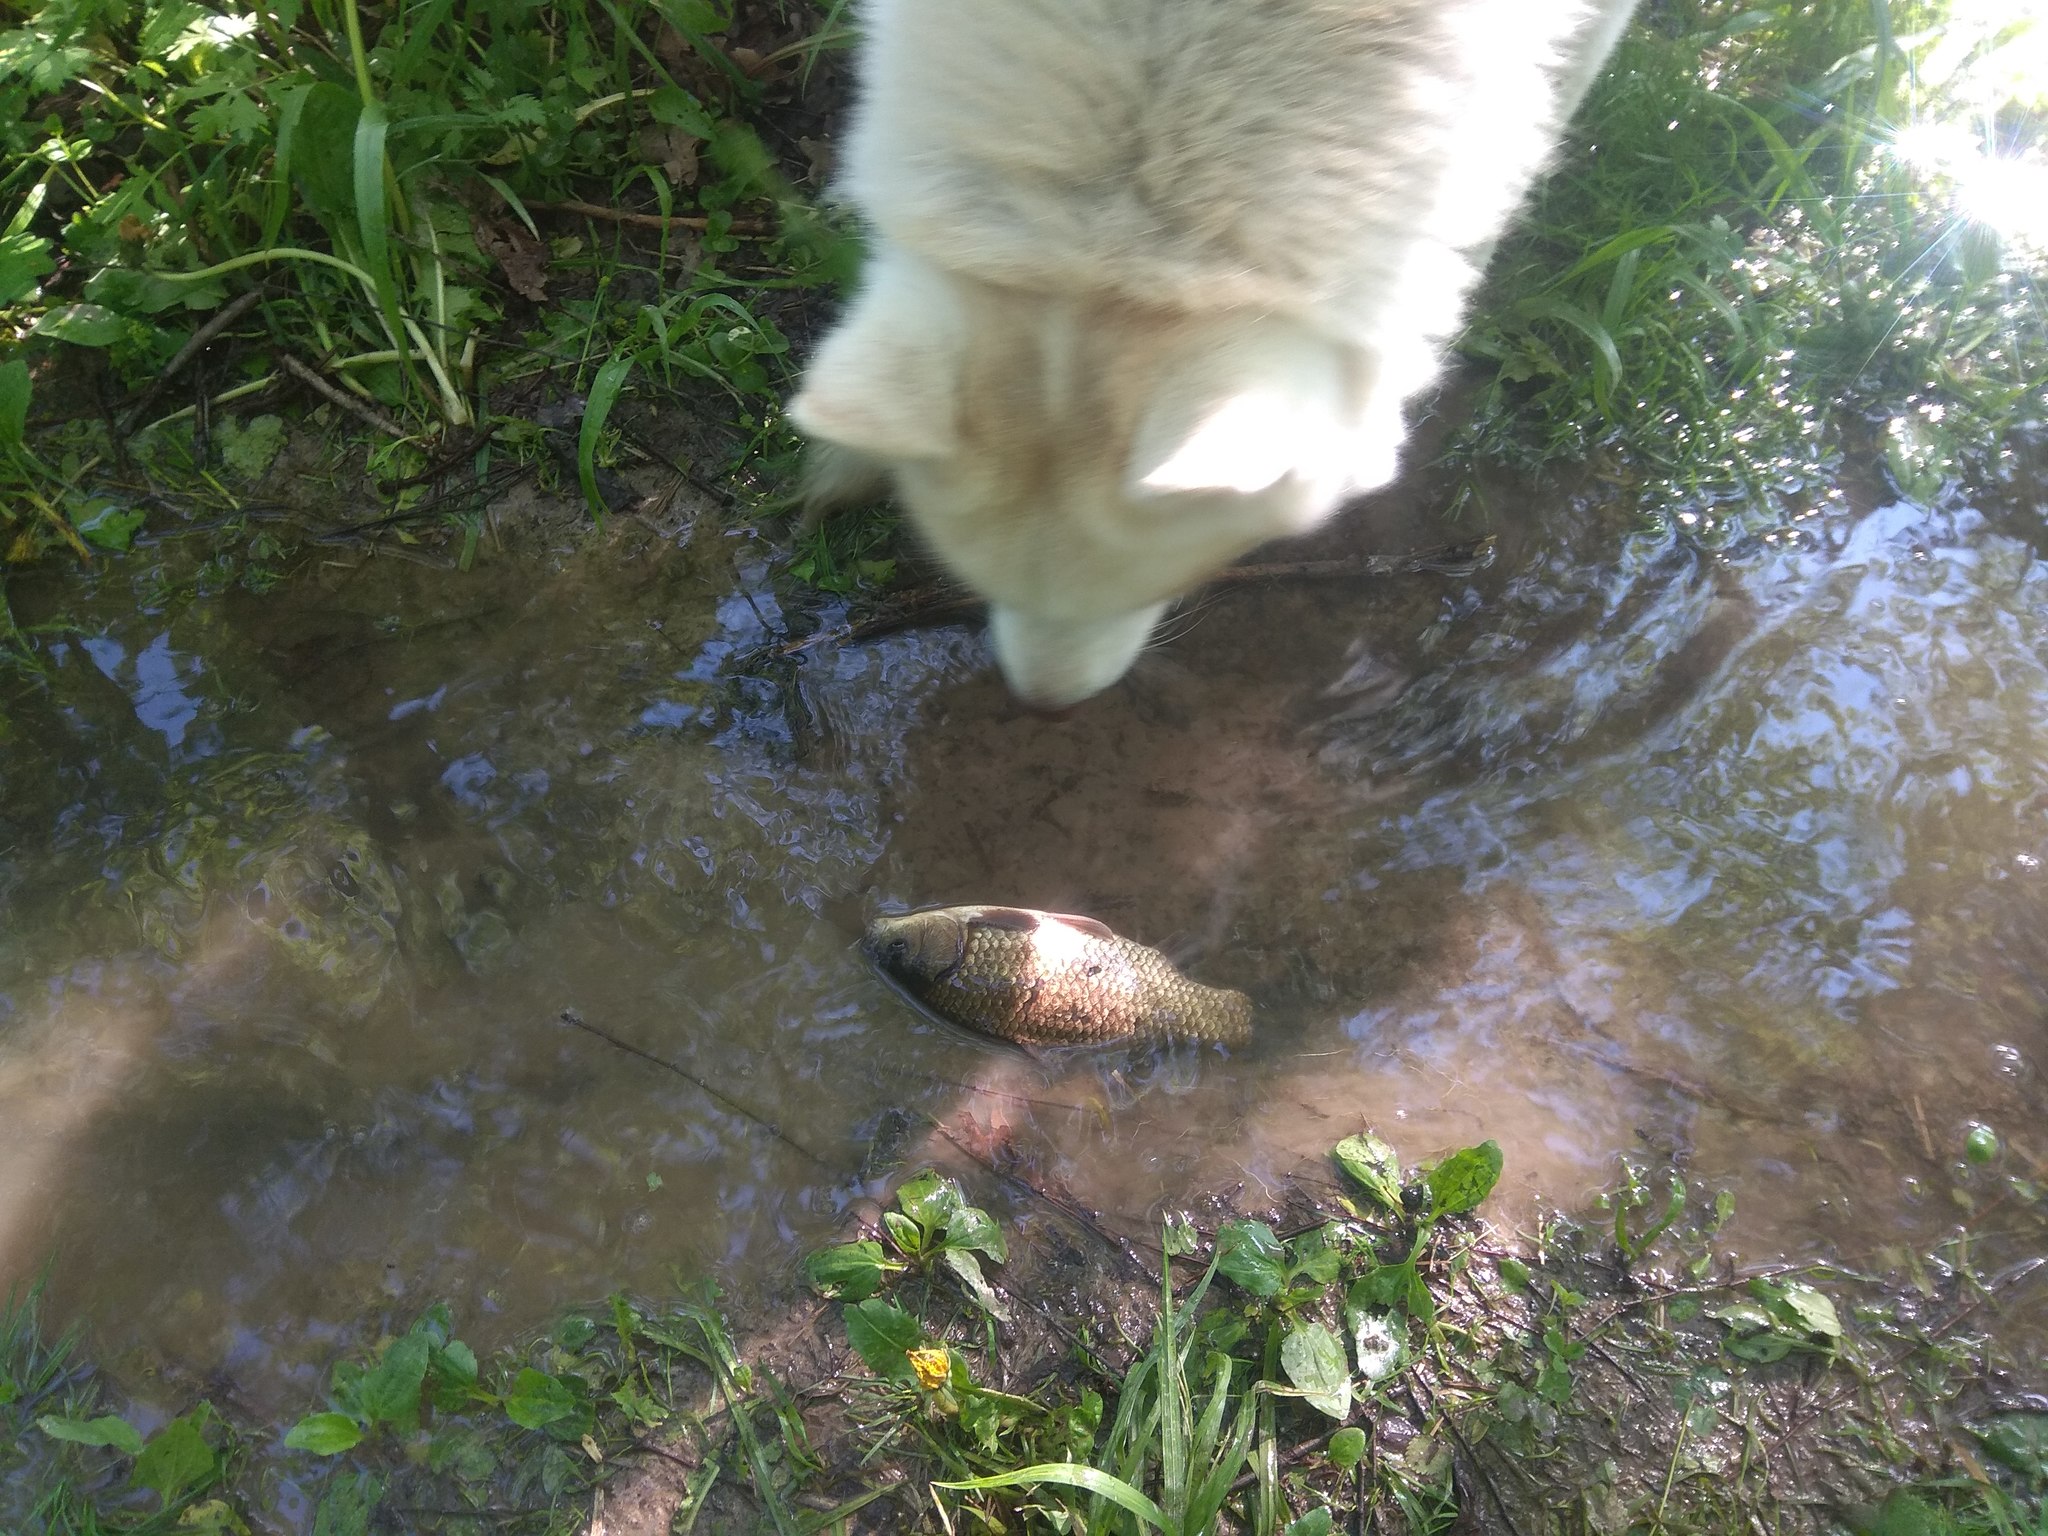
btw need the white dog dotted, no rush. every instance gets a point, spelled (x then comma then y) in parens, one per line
(1152, 279)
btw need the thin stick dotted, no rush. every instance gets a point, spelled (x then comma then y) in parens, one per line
(1478, 1467)
(645, 220)
(359, 409)
(571, 1016)
(200, 339)
(1066, 1208)
(935, 607)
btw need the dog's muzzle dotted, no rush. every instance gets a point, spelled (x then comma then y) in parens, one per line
(1051, 663)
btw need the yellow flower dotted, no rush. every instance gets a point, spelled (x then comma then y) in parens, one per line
(934, 1367)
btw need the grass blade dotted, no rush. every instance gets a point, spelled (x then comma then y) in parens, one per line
(1093, 1479)
(604, 392)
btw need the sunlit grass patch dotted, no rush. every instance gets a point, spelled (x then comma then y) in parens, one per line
(1780, 230)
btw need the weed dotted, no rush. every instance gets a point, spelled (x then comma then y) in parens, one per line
(371, 184)
(1748, 262)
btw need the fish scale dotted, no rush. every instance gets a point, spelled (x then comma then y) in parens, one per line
(1039, 979)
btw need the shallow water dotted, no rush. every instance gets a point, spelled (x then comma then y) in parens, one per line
(1616, 848)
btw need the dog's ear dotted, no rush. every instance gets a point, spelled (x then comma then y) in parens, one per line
(1243, 410)
(886, 382)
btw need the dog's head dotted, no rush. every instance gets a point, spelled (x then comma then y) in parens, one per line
(1083, 462)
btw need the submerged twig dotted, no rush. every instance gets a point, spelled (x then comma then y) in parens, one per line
(935, 607)
(572, 1017)
(1121, 1247)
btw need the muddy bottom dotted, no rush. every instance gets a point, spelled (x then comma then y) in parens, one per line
(1614, 849)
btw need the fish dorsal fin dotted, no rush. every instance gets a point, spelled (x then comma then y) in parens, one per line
(1087, 925)
(1007, 919)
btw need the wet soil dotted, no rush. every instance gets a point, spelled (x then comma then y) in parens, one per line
(1617, 848)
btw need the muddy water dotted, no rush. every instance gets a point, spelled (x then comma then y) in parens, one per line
(1616, 848)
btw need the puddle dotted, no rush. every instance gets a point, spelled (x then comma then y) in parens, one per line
(1614, 848)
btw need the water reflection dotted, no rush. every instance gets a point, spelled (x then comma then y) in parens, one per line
(1616, 847)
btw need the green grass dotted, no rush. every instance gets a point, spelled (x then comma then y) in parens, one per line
(1737, 276)
(1386, 1363)
(1736, 281)
(365, 194)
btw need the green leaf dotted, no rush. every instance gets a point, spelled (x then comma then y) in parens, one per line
(324, 1434)
(604, 393)
(129, 292)
(316, 140)
(25, 260)
(1752, 1333)
(850, 1272)
(968, 1268)
(538, 1399)
(1799, 1309)
(345, 1509)
(455, 1362)
(1347, 1448)
(1249, 1253)
(1073, 1475)
(906, 1234)
(1514, 1274)
(883, 1335)
(1463, 1179)
(42, 56)
(390, 1394)
(1317, 1522)
(1313, 1358)
(84, 325)
(1904, 1515)
(107, 524)
(930, 1200)
(1312, 1256)
(2018, 1441)
(1374, 1165)
(972, 1227)
(15, 389)
(177, 1459)
(108, 1429)
(673, 107)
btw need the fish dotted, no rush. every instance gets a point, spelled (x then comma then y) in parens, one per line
(1048, 979)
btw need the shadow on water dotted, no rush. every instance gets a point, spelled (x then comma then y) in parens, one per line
(1614, 848)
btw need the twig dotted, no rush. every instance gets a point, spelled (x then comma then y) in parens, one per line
(1288, 1458)
(935, 607)
(1066, 1208)
(571, 1016)
(200, 339)
(646, 220)
(1464, 1446)
(361, 410)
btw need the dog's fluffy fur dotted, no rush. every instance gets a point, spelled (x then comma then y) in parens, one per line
(1152, 279)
